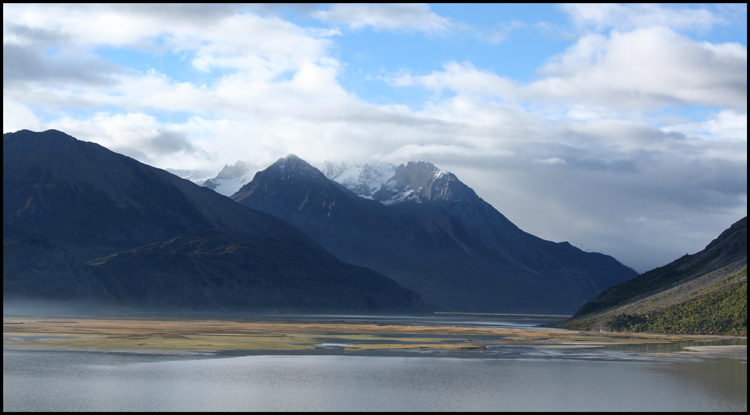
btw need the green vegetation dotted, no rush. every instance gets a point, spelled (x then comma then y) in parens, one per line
(719, 309)
(582, 324)
(730, 246)
(647, 282)
(721, 312)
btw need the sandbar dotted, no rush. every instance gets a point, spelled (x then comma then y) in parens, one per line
(206, 336)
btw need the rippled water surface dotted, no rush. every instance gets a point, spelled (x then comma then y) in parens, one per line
(519, 380)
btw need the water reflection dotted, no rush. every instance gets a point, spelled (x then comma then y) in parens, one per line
(640, 377)
(79, 381)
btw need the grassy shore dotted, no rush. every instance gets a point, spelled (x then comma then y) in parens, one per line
(173, 335)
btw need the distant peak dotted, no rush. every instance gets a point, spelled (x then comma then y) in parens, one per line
(363, 179)
(417, 181)
(417, 174)
(293, 165)
(291, 160)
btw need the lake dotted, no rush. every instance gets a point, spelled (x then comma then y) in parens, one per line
(504, 379)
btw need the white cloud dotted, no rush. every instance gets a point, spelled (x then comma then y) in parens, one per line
(17, 116)
(254, 50)
(436, 152)
(726, 125)
(136, 135)
(462, 78)
(574, 155)
(398, 16)
(626, 17)
(549, 161)
(646, 69)
(264, 46)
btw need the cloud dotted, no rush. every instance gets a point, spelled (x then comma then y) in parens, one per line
(267, 47)
(502, 32)
(403, 17)
(137, 135)
(17, 116)
(166, 142)
(603, 148)
(436, 153)
(726, 125)
(610, 71)
(190, 13)
(245, 57)
(615, 72)
(411, 18)
(27, 64)
(549, 161)
(628, 17)
(19, 34)
(459, 77)
(213, 36)
(109, 24)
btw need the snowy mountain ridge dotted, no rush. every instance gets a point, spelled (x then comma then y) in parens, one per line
(363, 179)
(231, 178)
(379, 181)
(385, 182)
(432, 233)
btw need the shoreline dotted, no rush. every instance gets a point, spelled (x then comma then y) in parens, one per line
(222, 337)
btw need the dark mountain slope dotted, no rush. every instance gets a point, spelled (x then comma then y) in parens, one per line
(214, 270)
(77, 201)
(436, 236)
(82, 195)
(710, 286)
(34, 267)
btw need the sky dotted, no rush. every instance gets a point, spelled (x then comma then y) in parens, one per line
(619, 128)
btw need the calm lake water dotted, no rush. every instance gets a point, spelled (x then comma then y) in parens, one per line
(522, 379)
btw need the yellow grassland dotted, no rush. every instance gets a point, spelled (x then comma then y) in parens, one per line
(83, 333)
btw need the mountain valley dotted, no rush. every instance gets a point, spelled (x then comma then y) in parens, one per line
(91, 228)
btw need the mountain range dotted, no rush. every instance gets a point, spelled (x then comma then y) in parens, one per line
(431, 233)
(703, 293)
(89, 228)
(82, 224)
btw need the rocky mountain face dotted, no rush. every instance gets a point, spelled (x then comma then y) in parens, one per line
(702, 293)
(67, 204)
(430, 232)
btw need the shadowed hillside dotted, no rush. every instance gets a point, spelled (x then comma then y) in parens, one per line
(704, 293)
(84, 224)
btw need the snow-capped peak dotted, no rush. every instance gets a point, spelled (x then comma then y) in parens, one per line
(363, 179)
(386, 182)
(231, 178)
